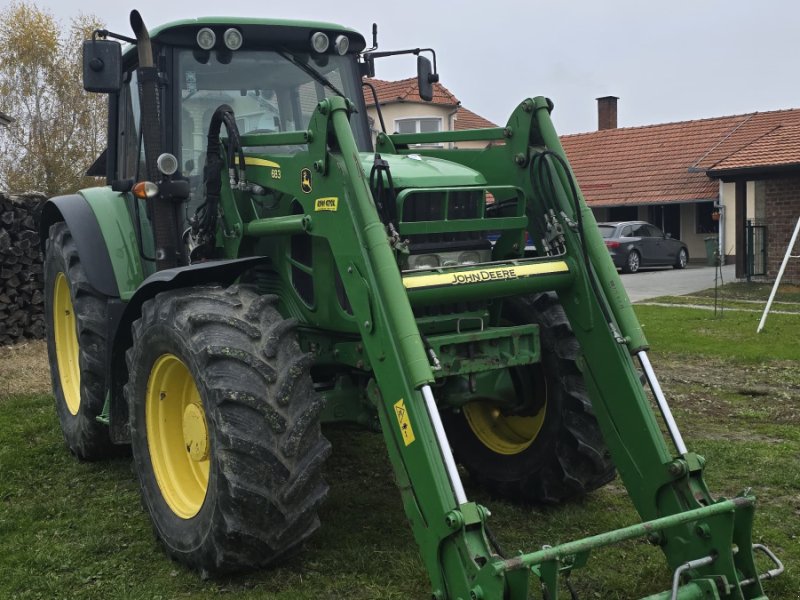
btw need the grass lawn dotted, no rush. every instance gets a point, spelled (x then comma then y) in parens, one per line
(77, 530)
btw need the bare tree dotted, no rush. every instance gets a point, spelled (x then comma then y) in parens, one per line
(58, 129)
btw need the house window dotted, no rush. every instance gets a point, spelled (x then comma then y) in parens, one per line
(425, 125)
(704, 221)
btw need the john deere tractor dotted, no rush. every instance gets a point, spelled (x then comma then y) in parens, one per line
(261, 262)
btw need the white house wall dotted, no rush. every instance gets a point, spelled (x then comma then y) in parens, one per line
(410, 110)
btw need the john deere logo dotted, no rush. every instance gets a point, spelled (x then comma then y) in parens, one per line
(305, 180)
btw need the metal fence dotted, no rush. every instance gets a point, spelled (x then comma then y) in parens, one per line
(756, 248)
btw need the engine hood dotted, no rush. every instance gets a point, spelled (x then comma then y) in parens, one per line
(414, 170)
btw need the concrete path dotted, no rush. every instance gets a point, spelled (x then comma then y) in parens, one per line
(673, 282)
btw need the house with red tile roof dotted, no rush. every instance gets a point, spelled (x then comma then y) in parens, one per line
(697, 179)
(405, 112)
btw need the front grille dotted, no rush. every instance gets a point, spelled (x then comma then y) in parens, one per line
(439, 206)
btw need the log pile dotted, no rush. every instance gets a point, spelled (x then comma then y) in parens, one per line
(21, 273)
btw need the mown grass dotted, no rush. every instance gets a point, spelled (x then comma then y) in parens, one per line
(76, 530)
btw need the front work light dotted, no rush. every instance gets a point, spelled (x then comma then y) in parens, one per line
(167, 163)
(320, 42)
(232, 38)
(206, 38)
(341, 44)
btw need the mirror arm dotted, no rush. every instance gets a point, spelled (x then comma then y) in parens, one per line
(415, 51)
(105, 33)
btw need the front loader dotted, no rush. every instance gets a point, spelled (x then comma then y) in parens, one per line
(257, 265)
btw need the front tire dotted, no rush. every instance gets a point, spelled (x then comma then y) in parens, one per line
(75, 314)
(552, 450)
(225, 428)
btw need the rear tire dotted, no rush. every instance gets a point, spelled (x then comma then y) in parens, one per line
(566, 456)
(633, 262)
(682, 260)
(224, 428)
(75, 314)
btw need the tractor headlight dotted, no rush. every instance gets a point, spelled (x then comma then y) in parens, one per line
(320, 42)
(469, 258)
(232, 38)
(423, 261)
(342, 44)
(206, 38)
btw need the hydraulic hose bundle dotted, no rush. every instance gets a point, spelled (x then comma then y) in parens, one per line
(204, 221)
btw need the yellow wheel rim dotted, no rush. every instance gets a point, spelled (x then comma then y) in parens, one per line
(177, 436)
(66, 342)
(503, 434)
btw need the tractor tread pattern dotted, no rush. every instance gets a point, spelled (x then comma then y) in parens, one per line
(266, 441)
(86, 437)
(578, 462)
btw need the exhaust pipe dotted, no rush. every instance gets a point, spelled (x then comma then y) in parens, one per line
(163, 212)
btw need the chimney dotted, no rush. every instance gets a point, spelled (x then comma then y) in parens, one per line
(607, 112)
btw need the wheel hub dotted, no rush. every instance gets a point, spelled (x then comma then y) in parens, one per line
(177, 436)
(195, 432)
(504, 434)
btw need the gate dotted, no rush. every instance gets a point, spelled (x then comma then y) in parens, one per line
(756, 248)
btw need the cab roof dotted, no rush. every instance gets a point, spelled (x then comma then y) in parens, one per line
(256, 33)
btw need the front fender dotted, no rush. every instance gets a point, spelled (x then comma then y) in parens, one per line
(220, 272)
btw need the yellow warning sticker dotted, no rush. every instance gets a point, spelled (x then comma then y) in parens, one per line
(331, 203)
(483, 275)
(404, 422)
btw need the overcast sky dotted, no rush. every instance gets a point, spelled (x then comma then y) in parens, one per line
(666, 60)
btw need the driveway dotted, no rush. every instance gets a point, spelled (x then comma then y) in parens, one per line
(673, 282)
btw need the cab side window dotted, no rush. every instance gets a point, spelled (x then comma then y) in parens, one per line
(129, 160)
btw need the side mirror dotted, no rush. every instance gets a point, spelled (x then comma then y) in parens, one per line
(102, 66)
(425, 78)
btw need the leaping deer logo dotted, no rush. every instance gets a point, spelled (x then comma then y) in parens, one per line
(305, 181)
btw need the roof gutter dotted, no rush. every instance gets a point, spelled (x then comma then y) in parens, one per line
(755, 172)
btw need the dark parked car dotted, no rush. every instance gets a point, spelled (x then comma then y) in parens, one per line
(636, 244)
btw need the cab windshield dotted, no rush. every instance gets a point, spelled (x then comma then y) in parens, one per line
(269, 91)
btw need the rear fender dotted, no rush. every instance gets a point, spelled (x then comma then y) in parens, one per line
(220, 272)
(103, 230)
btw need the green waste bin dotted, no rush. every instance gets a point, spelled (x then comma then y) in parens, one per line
(712, 250)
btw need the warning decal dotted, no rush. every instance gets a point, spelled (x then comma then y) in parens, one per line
(403, 421)
(330, 203)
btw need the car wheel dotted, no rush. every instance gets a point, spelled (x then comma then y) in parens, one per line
(682, 260)
(633, 262)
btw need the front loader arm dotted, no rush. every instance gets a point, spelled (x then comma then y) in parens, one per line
(661, 483)
(447, 528)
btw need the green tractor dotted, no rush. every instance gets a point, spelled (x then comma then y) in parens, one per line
(258, 264)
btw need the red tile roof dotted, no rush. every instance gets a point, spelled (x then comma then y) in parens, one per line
(668, 162)
(406, 90)
(777, 148)
(466, 119)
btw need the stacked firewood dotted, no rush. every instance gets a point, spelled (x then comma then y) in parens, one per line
(21, 275)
